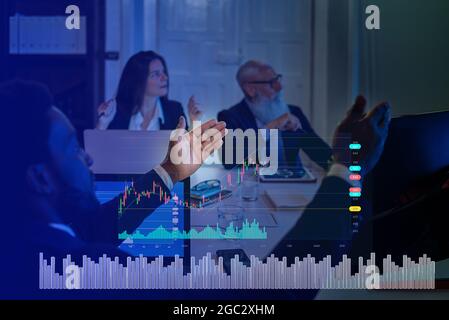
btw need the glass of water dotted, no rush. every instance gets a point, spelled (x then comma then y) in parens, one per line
(248, 183)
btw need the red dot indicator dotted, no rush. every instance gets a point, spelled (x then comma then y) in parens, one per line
(355, 189)
(355, 177)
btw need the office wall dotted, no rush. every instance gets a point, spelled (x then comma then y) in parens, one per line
(407, 61)
(339, 63)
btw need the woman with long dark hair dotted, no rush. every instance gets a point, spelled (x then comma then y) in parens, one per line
(142, 98)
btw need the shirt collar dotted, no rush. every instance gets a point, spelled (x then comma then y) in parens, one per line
(137, 119)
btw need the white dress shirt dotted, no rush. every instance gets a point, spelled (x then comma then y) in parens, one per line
(155, 124)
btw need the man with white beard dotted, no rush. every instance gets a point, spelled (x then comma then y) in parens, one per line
(264, 107)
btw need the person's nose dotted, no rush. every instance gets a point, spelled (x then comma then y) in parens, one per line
(164, 77)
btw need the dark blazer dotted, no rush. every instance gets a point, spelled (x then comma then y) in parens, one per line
(100, 236)
(172, 111)
(241, 117)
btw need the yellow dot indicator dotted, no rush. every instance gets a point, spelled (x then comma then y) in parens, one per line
(355, 209)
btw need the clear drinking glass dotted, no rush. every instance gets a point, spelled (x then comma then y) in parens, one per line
(248, 183)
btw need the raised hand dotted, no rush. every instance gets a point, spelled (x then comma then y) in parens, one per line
(370, 130)
(188, 150)
(106, 112)
(286, 122)
(194, 109)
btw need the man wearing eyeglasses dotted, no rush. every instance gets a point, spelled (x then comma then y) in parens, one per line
(264, 107)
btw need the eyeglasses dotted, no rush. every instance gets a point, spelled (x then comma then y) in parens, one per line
(207, 185)
(271, 82)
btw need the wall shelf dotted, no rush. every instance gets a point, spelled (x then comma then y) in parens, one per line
(75, 80)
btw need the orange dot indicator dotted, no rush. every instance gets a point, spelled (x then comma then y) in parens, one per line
(355, 177)
(355, 209)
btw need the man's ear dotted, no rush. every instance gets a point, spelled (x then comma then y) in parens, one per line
(38, 179)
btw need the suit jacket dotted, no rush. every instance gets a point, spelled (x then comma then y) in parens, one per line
(100, 236)
(172, 111)
(241, 117)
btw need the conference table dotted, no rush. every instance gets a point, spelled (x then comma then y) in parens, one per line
(277, 222)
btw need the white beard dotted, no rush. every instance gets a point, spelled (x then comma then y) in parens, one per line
(266, 110)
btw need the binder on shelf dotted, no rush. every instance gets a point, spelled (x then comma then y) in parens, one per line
(46, 35)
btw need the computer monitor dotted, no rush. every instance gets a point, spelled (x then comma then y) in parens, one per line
(126, 151)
